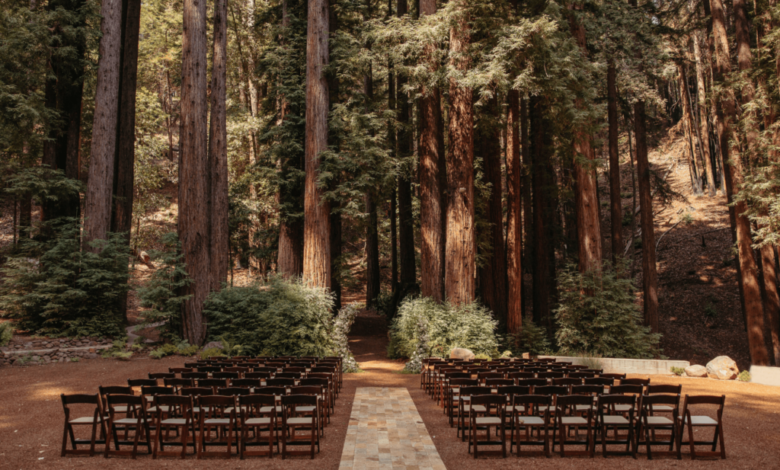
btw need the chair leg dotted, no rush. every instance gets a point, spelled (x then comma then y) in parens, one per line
(722, 442)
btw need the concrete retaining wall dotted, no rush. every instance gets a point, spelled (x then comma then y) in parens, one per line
(627, 366)
(765, 375)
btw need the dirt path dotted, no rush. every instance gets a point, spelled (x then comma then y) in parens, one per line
(31, 418)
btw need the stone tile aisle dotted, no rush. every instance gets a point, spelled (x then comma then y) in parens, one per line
(386, 432)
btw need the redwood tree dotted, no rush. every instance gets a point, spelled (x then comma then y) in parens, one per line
(316, 230)
(616, 206)
(460, 263)
(514, 219)
(194, 172)
(405, 149)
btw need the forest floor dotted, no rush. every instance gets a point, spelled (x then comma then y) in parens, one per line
(31, 417)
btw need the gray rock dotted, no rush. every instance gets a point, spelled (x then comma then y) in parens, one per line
(213, 344)
(461, 353)
(696, 371)
(722, 368)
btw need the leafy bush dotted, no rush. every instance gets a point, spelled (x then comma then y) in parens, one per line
(6, 333)
(597, 314)
(208, 353)
(160, 294)
(678, 371)
(591, 361)
(530, 339)
(448, 326)
(384, 304)
(54, 288)
(118, 351)
(183, 349)
(341, 326)
(744, 376)
(415, 362)
(278, 318)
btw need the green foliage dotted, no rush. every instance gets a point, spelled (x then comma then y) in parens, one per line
(6, 333)
(628, 218)
(161, 292)
(744, 376)
(687, 218)
(341, 326)
(118, 351)
(384, 304)
(54, 288)
(598, 314)
(183, 348)
(678, 371)
(531, 339)
(415, 362)
(448, 326)
(710, 311)
(208, 353)
(592, 361)
(278, 318)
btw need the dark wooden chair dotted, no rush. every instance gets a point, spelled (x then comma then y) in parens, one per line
(521, 375)
(161, 375)
(527, 416)
(214, 414)
(493, 383)
(325, 392)
(280, 382)
(316, 391)
(479, 420)
(625, 421)
(257, 375)
(581, 375)
(292, 423)
(532, 383)
(214, 384)
(566, 417)
(332, 384)
(225, 375)
(642, 382)
(246, 383)
(208, 369)
(138, 423)
(663, 390)
(613, 376)
(689, 421)
(95, 421)
(648, 424)
(599, 381)
(138, 383)
(453, 396)
(252, 418)
(182, 421)
(178, 384)
(181, 370)
(195, 375)
(567, 381)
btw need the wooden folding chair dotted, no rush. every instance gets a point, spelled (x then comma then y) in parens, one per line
(225, 375)
(178, 384)
(453, 396)
(316, 391)
(213, 384)
(252, 418)
(324, 385)
(689, 421)
(161, 375)
(195, 375)
(464, 409)
(180, 418)
(257, 375)
(94, 421)
(246, 383)
(181, 370)
(213, 414)
(525, 415)
(567, 416)
(139, 424)
(280, 382)
(487, 422)
(625, 420)
(648, 424)
(332, 385)
(291, 423)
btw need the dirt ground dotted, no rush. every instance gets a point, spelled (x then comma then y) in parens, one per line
(31, 419)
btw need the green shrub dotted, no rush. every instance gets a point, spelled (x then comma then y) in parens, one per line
(678, 371)
(531, 339)
(183, 348)
(208, 353)
(118, 351)
(160, 294)
(597, 314)
(6, 333)
(465, 326)
(591, 361)
(744, 376)
(54, 288)
(384, 304)
(414, 365)
(341, 326)
(279, 318)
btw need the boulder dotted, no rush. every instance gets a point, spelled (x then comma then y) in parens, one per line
(722, 368)
(461, 353)
(145, 259)
(213, 344)
(697, 371)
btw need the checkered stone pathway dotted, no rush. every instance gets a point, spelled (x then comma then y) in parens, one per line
(386, 432)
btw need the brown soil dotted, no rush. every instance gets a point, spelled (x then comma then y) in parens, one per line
(31, 418)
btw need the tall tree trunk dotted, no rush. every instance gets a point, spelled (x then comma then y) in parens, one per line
(528, 218)
(615, 199)
(193, 171)
(493, 273)
(335, 255)
(586, 199)
(432, 182)
(704, 123)
(392, 143)
(405, 149)
(460, 263)
(514, 219)
(373, 280)
(540, 154)
(290, 252)
(772, 299)
(316, 233)
(726, 112)
(97, 212)
(124, 162)
(393, 243)
(217, 164)
(688, 126)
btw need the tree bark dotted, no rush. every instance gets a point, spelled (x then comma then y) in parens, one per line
(335, 255)
(514, 218)
(373, 286)
(688, 126)
(393, 243)
(615, 199)
(586, 199)
(193, 171)
(432, 183)
(405, 150)
(772, 299)
(540, 156)
(726, 112)
(528, 218)
(97, 211)
(493, 274)
(217, 164)
(704, 123)
(124, 162)
(460, 263)
(316, 233)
